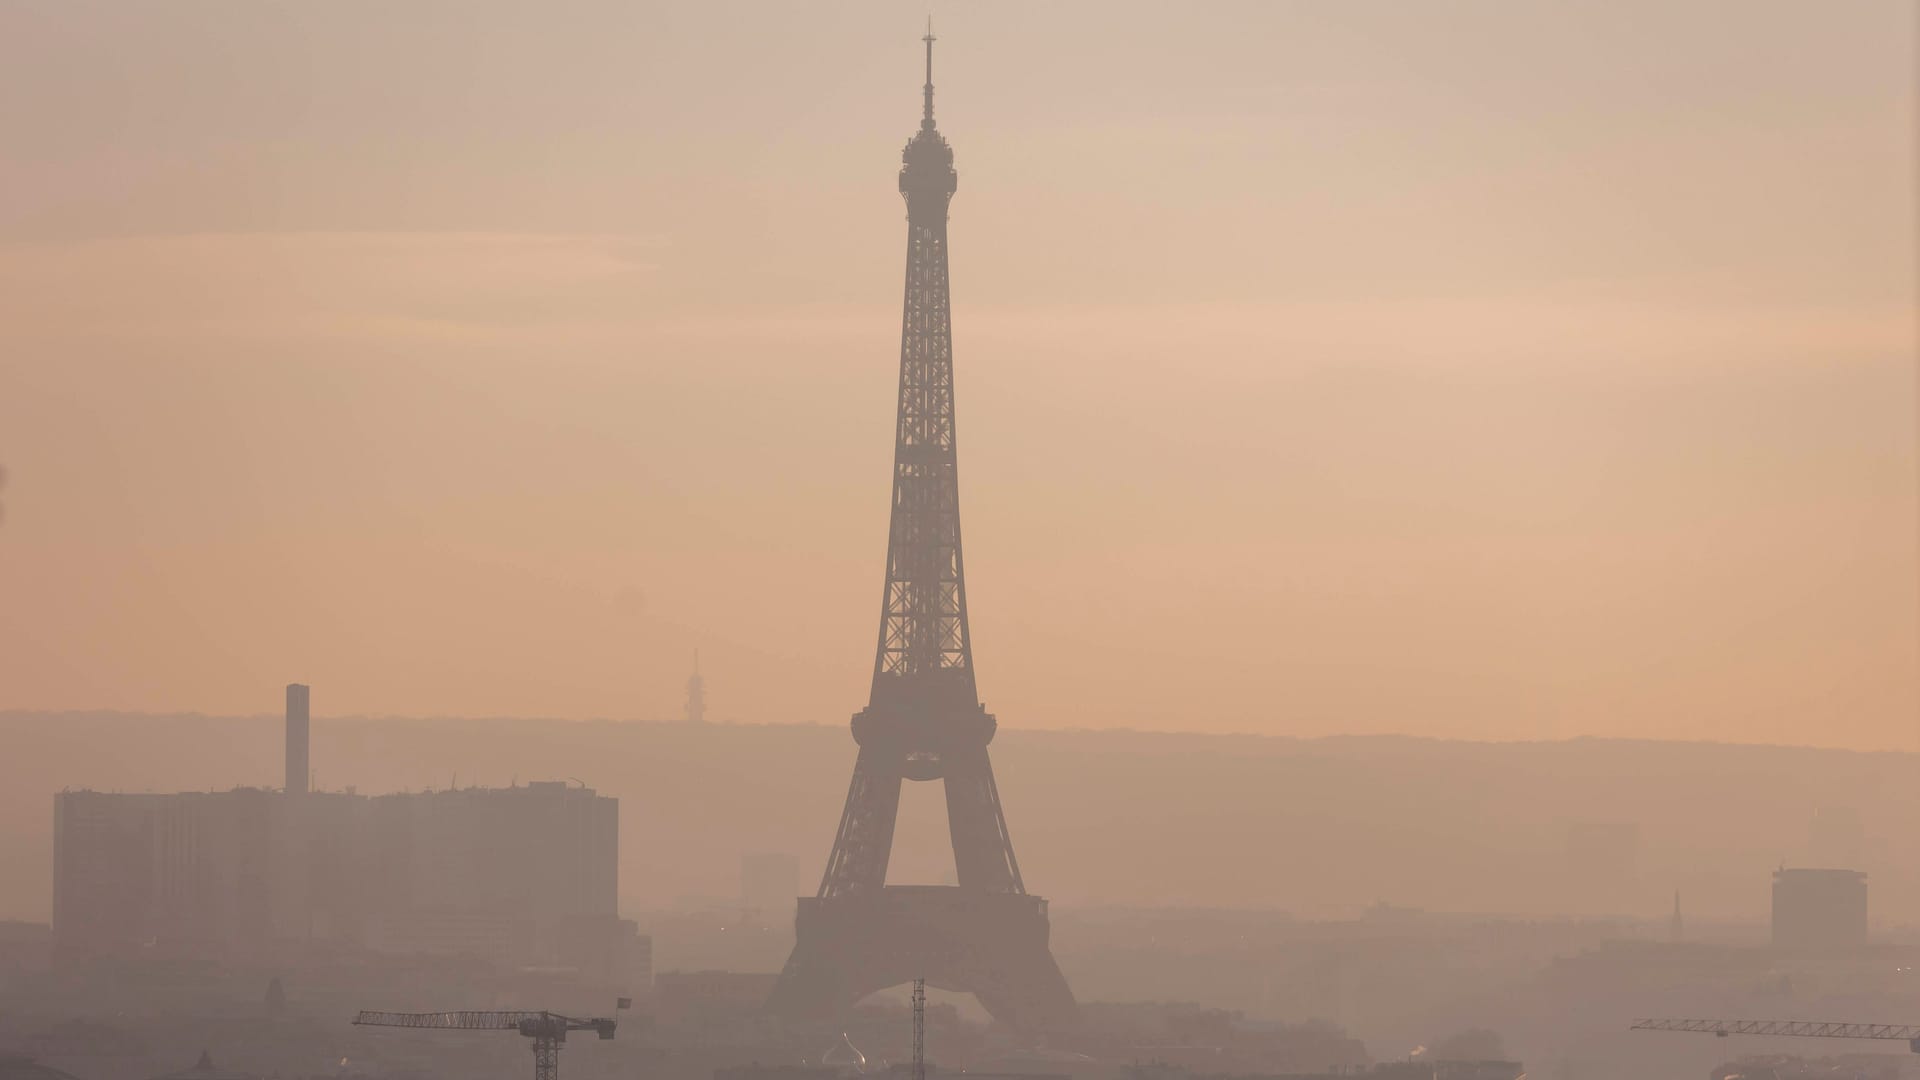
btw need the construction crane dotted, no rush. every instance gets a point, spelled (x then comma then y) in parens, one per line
(547, 1030)
(1806, 1029)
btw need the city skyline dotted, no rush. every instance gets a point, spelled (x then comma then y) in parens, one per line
(1442, 498)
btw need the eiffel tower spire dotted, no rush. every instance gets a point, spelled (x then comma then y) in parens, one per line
(926, 116)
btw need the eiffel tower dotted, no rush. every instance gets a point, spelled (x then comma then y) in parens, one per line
(924, 721)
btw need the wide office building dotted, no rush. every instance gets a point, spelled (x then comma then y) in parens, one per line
(523, 876)
(1819, 910)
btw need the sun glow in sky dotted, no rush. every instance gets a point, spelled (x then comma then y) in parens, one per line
(1482, 370)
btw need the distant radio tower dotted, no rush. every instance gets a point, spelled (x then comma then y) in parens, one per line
(696, 694)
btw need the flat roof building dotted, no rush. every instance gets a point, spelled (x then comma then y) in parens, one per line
(524, 875)
(1819, 909)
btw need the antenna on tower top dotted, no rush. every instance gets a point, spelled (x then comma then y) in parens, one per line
(926, 116)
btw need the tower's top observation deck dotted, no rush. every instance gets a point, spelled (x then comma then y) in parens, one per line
(927, 179)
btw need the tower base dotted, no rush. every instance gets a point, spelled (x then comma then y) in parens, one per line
(992, 945)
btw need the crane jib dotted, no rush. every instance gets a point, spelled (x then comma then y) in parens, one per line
(547, 1029)
(1804, 1029)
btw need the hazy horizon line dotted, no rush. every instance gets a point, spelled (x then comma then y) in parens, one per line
(8, 714)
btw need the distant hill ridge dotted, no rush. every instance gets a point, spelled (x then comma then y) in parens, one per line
(1313, 825)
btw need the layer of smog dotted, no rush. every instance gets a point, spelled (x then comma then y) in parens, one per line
(483, 584)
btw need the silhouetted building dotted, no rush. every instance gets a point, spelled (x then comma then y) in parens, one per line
(297, 739)
(24, 946)
(138, 871)
(292, 853)
(524, 875)
(527, 874)
(1819, 909)
(520, 875)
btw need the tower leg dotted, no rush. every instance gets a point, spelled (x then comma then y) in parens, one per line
(864, 844)
(982, 851)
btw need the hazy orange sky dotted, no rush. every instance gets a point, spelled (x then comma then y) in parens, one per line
(1471, 369)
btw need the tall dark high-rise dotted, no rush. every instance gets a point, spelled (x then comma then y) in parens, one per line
(297, 768)
(924, 720)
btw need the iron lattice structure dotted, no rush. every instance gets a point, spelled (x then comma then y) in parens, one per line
(924, 720)
(1806, 1029)
(456, 1021)
(547, 1030)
